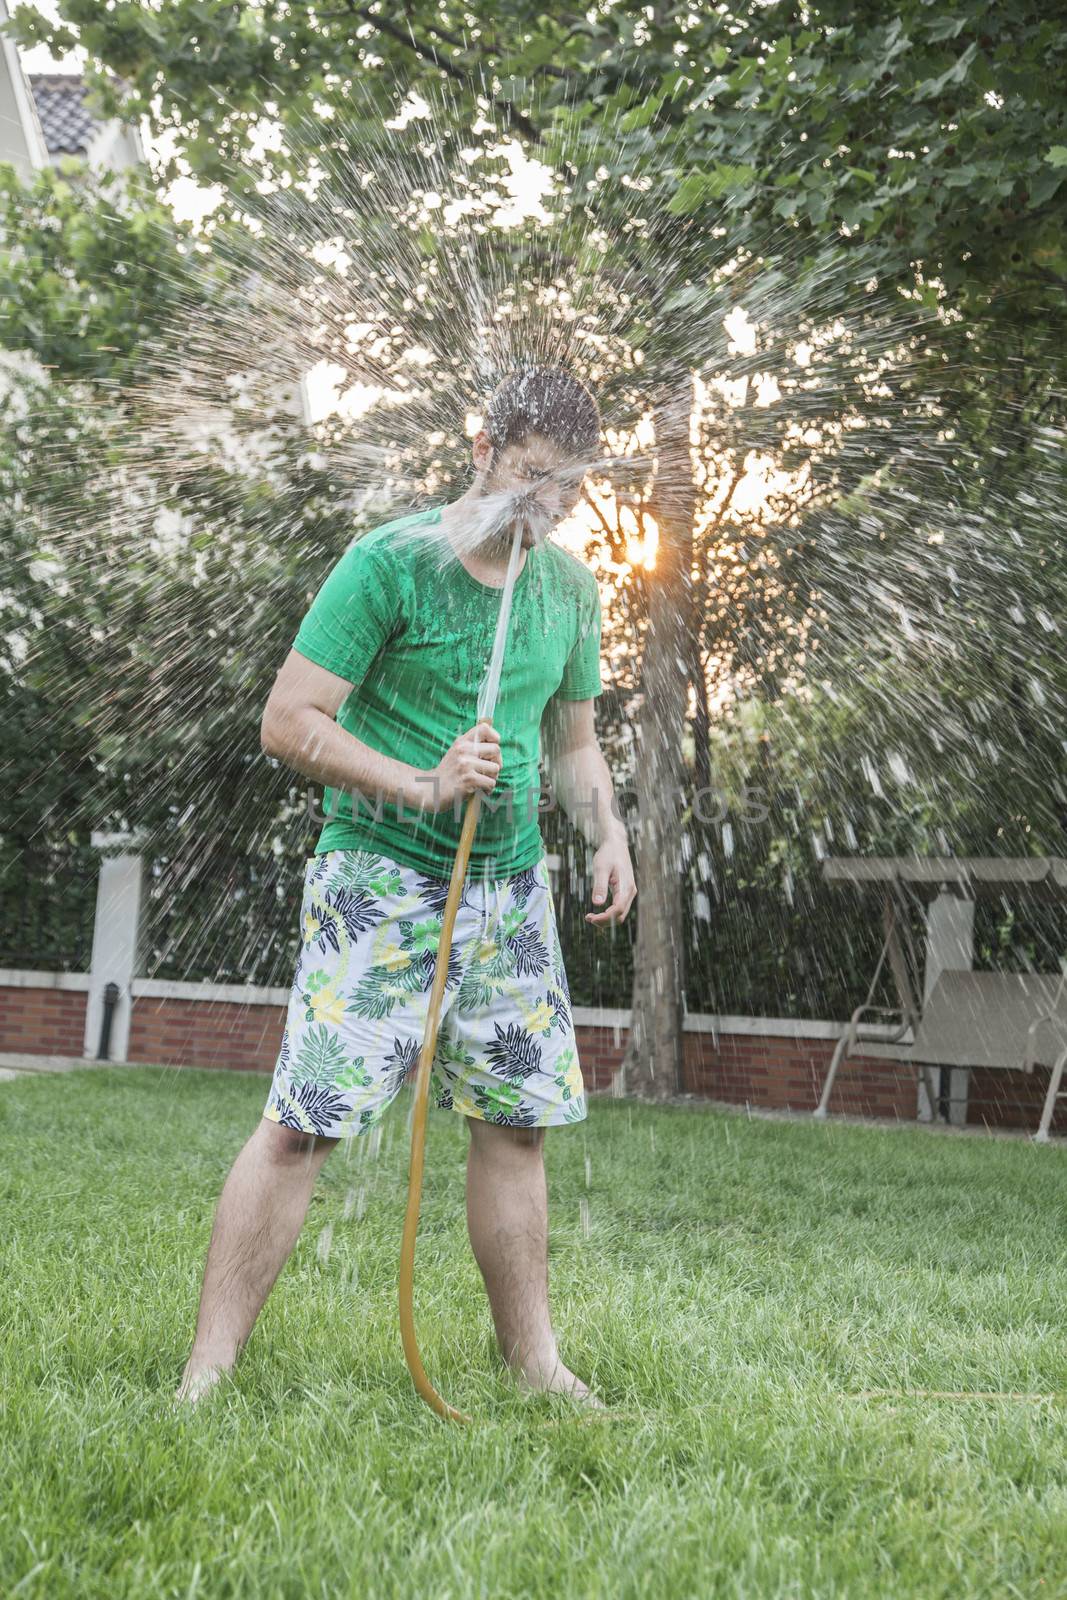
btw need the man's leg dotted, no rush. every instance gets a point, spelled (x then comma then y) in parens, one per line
(260, 1213)
(507, 1215)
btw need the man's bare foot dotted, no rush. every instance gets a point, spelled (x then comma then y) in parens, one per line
(197, 1382)
(554, 1378)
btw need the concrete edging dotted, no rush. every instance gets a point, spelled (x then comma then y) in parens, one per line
(616, 1018)
(18, 978)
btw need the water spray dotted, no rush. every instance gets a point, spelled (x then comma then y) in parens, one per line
(920, 574)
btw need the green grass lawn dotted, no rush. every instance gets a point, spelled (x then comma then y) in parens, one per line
(730, 1287)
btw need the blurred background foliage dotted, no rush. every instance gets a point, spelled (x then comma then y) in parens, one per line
(921, 149)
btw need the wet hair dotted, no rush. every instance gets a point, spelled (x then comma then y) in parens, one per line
(549, 401)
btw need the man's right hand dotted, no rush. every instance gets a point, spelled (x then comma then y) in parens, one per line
(473, 763)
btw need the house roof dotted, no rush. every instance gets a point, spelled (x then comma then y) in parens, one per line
(66, 123)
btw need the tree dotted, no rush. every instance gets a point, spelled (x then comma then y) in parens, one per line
(849, 147)
(901, 124)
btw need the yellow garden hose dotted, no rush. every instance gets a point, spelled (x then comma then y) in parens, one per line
(418, 1121)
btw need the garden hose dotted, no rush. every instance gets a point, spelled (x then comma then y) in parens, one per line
(418, 1122)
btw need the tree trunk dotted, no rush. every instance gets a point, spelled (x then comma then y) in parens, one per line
(701, 717)
(701, 713)
(652, 1065)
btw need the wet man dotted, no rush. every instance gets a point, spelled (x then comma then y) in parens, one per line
(377, 701)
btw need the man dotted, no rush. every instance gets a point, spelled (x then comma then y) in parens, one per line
(371, 700)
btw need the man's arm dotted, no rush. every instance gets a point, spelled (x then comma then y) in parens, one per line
(298, 727)
(580, 780)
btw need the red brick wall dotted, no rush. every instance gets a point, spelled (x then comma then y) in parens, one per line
(760, 1068)
(768, 1071)
(205, 1033)
(789, 1074)
(599, 1055)
(1012, 1100)
(43, 1022)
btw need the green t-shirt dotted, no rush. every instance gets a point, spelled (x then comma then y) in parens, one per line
(414, 635)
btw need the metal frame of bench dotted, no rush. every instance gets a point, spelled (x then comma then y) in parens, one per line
(898, 949)
(1055, 1077)
(960, 1004)
(933, 1027)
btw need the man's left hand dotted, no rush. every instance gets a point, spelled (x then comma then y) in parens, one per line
(612, 870)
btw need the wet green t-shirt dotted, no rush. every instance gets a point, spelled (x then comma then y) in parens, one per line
(414, 635)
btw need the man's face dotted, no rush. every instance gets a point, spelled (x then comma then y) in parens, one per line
(544, 483)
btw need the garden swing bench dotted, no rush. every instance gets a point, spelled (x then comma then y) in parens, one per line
(967, 1020)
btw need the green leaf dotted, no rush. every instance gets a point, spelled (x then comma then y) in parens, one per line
(954, 75)
(711, 90)
(697, 188)
(690, 294)
(946, 28)
(641, 115)
(1044, 186)
(1057, 155)
(960, 177)
(744, 71)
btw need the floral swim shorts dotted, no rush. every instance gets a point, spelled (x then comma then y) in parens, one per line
(505, 1052)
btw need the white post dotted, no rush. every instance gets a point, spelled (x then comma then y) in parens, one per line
(949, 948)
(21, 139)
(116, 942)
